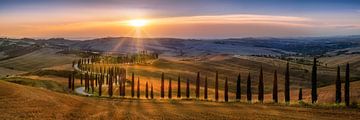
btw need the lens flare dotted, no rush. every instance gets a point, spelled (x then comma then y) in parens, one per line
(138, 22)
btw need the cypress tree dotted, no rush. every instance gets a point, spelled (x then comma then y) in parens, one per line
(205, 89)
(238, 87)
(179, 88)
(216, 86)
(248, 89)
(138, 88)
(100, 86)
(107, 78)
(92, 83)
(162, 85)
(81, 79)
(120, 86)
(314, 83)
(275, 88)
(147, 90)
(197, 91)
(170, 90)
(261, 86)
(110, 85)
(300, 94)
(96, 79)
(73, 82)
(338, 86)
(124, 87)
(287, 84)
(188, 88)
(347, 85)
(226, 97)
(151, 91)
(69, 82)
(87, 82)
(132, 85)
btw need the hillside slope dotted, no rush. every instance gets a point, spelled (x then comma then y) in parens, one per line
(17, 103)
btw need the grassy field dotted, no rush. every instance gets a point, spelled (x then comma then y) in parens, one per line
(40, 91)
(17, 103)
(36, 60)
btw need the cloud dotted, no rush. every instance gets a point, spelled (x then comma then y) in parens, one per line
(346, 26)
(235, 19)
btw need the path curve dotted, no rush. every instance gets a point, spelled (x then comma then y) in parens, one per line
(81, 91)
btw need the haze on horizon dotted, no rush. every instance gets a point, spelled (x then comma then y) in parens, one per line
(179, 18)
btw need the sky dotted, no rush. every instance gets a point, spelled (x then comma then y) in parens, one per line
(82, 19)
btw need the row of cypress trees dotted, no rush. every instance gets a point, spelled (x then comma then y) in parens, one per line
(314, 96)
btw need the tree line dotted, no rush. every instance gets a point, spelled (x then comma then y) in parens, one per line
(117, 76)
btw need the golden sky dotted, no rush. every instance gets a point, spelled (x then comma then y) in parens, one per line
(196, 19)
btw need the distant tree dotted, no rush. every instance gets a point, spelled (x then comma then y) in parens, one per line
(187, 88)
(216, 86)
(238, 87)
(300, 94)
(170, 90)
(287, 84)
(205, 89)
(314, 83)
(338, 86)
(146, 90)
(151, 91)
(162, 85)
(179, 88)
(138, 88)
(132, 85)
(347, 85)
(248, 89)
(261, 86)
(197, 91)
(275, 88)
(226, 97)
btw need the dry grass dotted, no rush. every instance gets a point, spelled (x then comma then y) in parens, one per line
(36, 60)
(17, 103)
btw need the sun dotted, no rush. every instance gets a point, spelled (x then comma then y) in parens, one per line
(138, 22)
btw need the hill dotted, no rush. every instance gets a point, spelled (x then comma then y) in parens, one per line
(17, 103)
